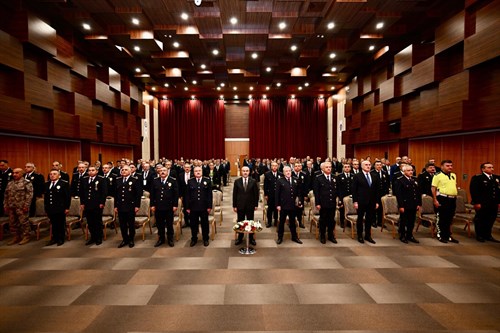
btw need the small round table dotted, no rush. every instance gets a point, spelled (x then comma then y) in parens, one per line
(247, 250)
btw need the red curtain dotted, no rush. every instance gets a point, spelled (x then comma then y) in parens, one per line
(191, 129)
(288, 127)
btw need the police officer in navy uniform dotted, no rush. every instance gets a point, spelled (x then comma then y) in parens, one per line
(409, 198)
(76, 179)
(385, 184)
(110, 179)
(127, 204)
(485, 193)
(288, 201)
(270, 179)
(325, 195)
(94, 189)
(199, 205)
(57, 200)
(344, 186)
(164, 202)
(301, 179)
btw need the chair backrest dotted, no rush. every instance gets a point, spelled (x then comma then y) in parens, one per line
(389, 204)
(109, 207)
(261, 179)
(75, 208)
(310, 194)
(217, 197)
(349, 206)
(40, 207)
(460, 208)
(144, 209)
(314, 210)
(427, 205)
(463, 193)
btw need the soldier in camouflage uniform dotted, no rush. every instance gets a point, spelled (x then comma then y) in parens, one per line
(18, 195)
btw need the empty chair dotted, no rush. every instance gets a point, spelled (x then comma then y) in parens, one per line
(350, 213)
(217, 205)
(427, 213)
(108, 216)
(313, 217)
(143, 217)
(74, 216)
(390, 212)
(40, 218)
(461, 214)
(468, 207)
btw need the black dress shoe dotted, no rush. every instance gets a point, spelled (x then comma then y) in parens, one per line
(60, 243)
(253, 242)
(98, 242)
(279, 240)
(414, 240)
(333, 240)
(205, 243)
(268, 225)
(360, 239)
(52, 242)
(89, 242)
(369, 240)
(301, 225)
(322, 240)
(131, 244)
(122, 244)
(238, 242)
(403, 239)
(442, 240)
(159, 243)
(193, 243)
(453, 240)
(296, 240)
(171, 243)
(491, 239)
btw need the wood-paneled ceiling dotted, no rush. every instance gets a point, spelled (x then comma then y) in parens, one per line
(275, 47)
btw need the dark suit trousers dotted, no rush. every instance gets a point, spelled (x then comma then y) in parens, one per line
(342, 215)
(127, 225)
(368, 213)
(484, 220)
(445, 214)
(245, 215)
(272, 212)
(94, 220)
(198, 217)
(379, 212)
(291, 222)
(33, 207)
(407, 222)
(326, 219)
(58, 221)
(184, 211)
(165, 218)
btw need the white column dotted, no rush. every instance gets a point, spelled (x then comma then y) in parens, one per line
(340, 99)
(145, 132)
(156, 135)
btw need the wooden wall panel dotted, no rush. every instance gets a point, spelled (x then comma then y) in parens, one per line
(79, 64)
(454, 89)
(64, 51)
(236, 120)
(110, 152)
(114, 80)
(450, 32)
(387, 90)
(422, 74)
(233, 151)
(58, 76)
(42, 35)
(11, 51)
(481, 47)
(377, 151)
(38, 92)
(19, 113)
(487, 18)
(65, 125)
(403, 60)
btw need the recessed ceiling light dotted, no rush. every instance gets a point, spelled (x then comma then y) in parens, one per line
(293, 47)
(184, 16)
(282, 25)
(293, 96)
(86, 26)
(379, 25)
(300, 87)
(137, 48)
(264, 96)
(165, 97)
(268, 69)
(135, 21)
(251, 88)
(254, 55)
(235, 88)
(138, 70)
(218, 88)
(215, 52)
(330, 25)
(371, 48)
(267, 88)
(153, 88)
(186, 88)
(278, 84)
(222, 84)
(203, 66)
(176, 44)
(194, 82)
(249, 96)
(235, 96)
(334, 69)
(306, 84)
(233, 20)
(166, 85)
(332, 55)
(193, 97)
(320, 96)
(221, 96)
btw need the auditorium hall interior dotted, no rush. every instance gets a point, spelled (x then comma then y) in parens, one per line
(357, 143)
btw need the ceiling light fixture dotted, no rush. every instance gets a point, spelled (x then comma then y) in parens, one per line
(186, 88)
(184, 16)
(166, 85)
(135, 21)
(264, 96)
(233, 20)
(153, 88)
(221, 96)
(176, 44)
(334, 69)
(137, 70)
(293, 47)
(86, 26)
(278, 84)
(251, 88)
(235, 88)
(282, 25)
(193, 97)
(379, 25)
(203, 66)
(371, 48)
(293, 96)
(222, 84)
(218, 88)
(300, 87)
(267, 88)
(215, 52)
(254, 55)
(332, 55)
(268, 69)
(194, 82)
(235, 96)
(137, 48)
(306, 84)
(330, 25)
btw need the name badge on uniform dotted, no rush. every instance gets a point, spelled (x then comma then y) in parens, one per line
(144, 182)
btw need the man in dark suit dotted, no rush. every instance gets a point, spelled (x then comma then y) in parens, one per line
(309, 172)
(58, 166)
(214, 176)
(127, 204)
(56, 201)
(365, 193)
(183, 180)
(325, 194)
(245, 200)
(110, 179)
(385, 184)
(395, 167)
(288, 201)
(38, 181)
(317, 164)
(485, 193)
(115, 169)
(164, 202)
(171, 171)
(94, 189)
(270, 179)
(5, 177)
(76, 179)
(409, 202)
(148, 175)
(425, 179)
(227, 171)
(344, 186)
(199, 204)
(301, 180)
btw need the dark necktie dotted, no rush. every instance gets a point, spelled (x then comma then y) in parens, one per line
(368, 180)
(245, 184)
(53, 184)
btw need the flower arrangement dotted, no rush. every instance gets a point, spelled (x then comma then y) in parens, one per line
(248, 226)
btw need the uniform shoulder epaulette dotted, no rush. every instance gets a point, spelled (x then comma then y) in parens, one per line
(173, 178)
(156, 177)
(85, 177)
(64, 181)
(100, 176)
(438, 173)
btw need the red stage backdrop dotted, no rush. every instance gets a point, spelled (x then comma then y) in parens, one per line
(191, 129)
(285, 128)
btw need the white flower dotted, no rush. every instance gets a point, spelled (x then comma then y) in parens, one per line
(130, 183)
(97, 182)
(248, 227)
(169, 184)
(58, 187)
(205, 183)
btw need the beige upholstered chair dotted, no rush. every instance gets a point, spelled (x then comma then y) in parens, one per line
(143, 217)
(350, 213)
(108, 216)
(427, 213)
(217, 205)
(178, 217)
(74, 216)
(468, 207)
(461, 214)
(313, 217)
(40, 219)
(390, 212)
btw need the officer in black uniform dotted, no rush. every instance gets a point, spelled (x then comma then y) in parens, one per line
(288, 200)
(485, 193)
(164, 202)
(110, 179)
(199, 205)
(301, 180)
(127, 204)
(425, 179)
(270, 179)
(57, 165)
(409, 199)
(325, 194)
(385, 184)
(94, 189)
(344, 185)
(76, 179)
(57, 200)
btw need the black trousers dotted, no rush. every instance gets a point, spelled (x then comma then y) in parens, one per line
(245, 215)
(484, 220)
(342, 215)
(366, 211)
(407, 223)
(272, 212)
(326, 221)
(94, 220)
(224, 179)
(127, 225)
(292, 213)
(184, 211)
(379, 213)
(198, 217)
(33, 207)
(445, 214)
(58, 222)
(165, 218)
